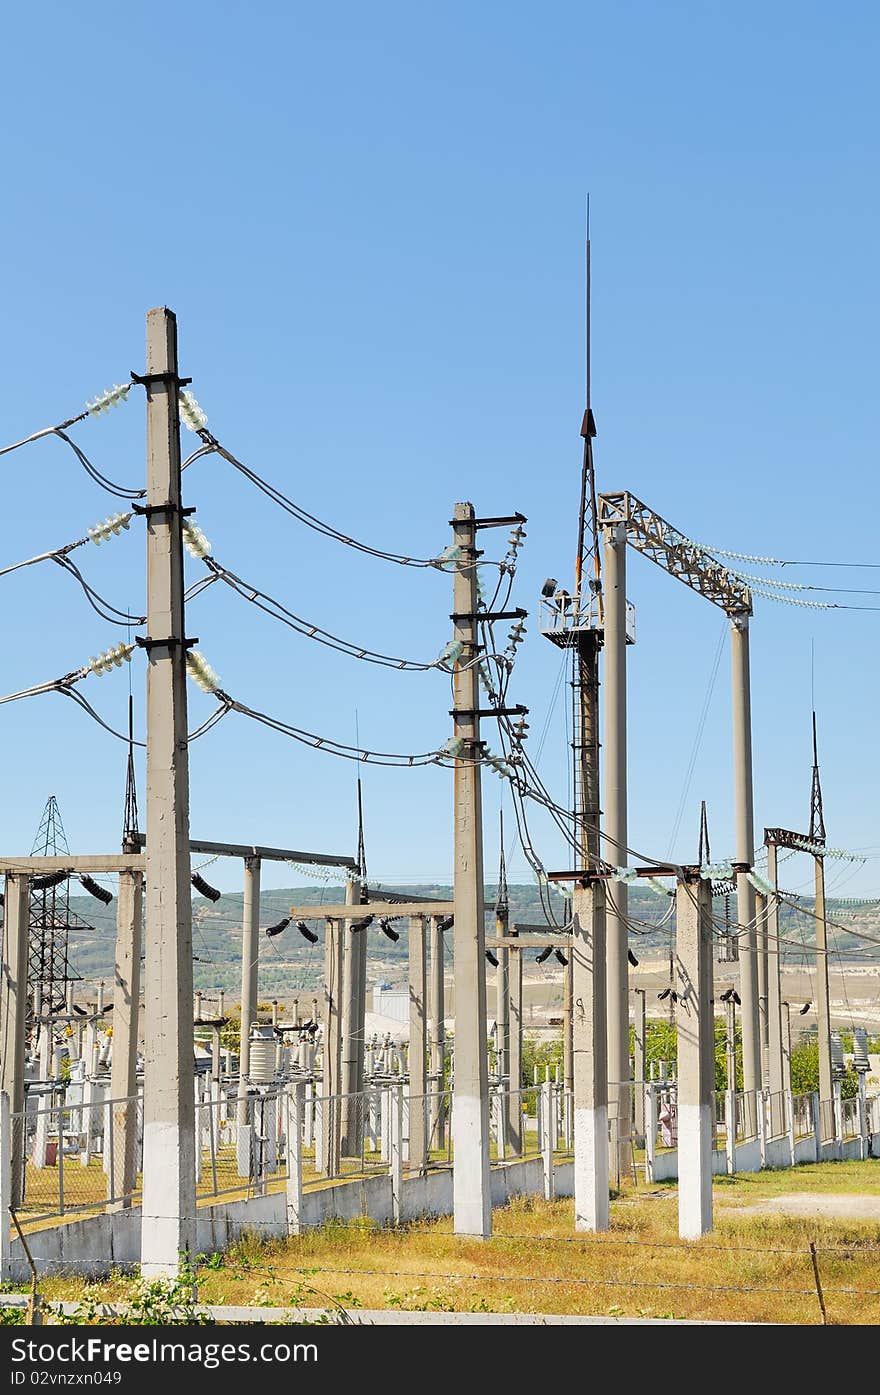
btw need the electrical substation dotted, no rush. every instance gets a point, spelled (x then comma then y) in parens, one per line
(143, 1121)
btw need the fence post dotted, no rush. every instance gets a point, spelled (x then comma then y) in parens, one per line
(5, 1186)
(789, 1116)
(500, 1123)
(837, 1115)
(395, 1119)
(547, 1138)
(294, 1098)
(650, 1128)
(108, 1144)
(59, 1158)
(88, 1096)
(817, 1125)
(730, 1130)
(863, 1119)
(41, 1132)
(310, 1114)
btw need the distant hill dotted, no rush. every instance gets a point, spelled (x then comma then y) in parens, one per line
(289, 964)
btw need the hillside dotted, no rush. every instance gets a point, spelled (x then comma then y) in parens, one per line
(288, 963)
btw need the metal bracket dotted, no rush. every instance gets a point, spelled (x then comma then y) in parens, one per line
(147, 379)
(145, 642)
(149, 509)
(518, 614)
(493, 522)
(518, 711)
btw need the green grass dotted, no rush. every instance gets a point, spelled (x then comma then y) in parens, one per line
(750, 1268)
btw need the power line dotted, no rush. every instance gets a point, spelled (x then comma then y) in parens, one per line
(443, 562)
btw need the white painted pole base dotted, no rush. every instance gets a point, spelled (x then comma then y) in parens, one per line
(167, 1231)
(694, 1170)
(470, 1186)
(591, 1169)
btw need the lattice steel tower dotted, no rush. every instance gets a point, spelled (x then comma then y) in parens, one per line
(49, 969)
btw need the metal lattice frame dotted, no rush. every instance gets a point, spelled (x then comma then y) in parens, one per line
(651, 535)
(51, 918)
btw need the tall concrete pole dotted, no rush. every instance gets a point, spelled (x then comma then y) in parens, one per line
(126, 1003)
(567, 1028)
(745, 853)
(250, 952)
(438, 1036)
(332, 1062)
(418, 1053)
(590, 1057)
(777, 1075)
(13, 1016)
(614, 850)
(514, 1098)
(354, 978)
(168, 1216)
(696, 1055)
(502, 1016)
(823, 1000)
(640, 1042)
(472, 1205)
(763, 970)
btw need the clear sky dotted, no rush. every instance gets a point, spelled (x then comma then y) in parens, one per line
(369, 221)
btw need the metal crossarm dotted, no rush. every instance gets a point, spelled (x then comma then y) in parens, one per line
(651, 535)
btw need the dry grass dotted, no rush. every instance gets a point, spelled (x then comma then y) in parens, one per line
(751, 1268)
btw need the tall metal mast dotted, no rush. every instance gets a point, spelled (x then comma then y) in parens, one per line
(575, 623)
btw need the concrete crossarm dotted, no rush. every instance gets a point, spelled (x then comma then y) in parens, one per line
(651, 535)
(200, 845)
(64, 862)
(375, 908)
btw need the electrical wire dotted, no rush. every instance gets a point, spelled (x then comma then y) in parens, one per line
(100, 606)
(310, 521)
(280, 612)
(698, 738)
(336, 748)
(201, 730)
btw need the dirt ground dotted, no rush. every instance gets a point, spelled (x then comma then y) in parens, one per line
(810, 1204)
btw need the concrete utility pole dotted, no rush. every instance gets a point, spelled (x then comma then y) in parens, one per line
(745, 854)
(617, 964)
(823, 998)
(168, 1223)
(640, 1042)
(763, 969)
(472, 1204)
(438, 1035)
(13, 1016)
(515, 1020)
(332, 1064)
(250, 953)
(696, 1054)
(354, 977)
(590, 1057)
(502, 994)
(126, 1003)
(418, 1054)
(777, 1076)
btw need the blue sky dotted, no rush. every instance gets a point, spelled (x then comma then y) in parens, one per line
(370, 224)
